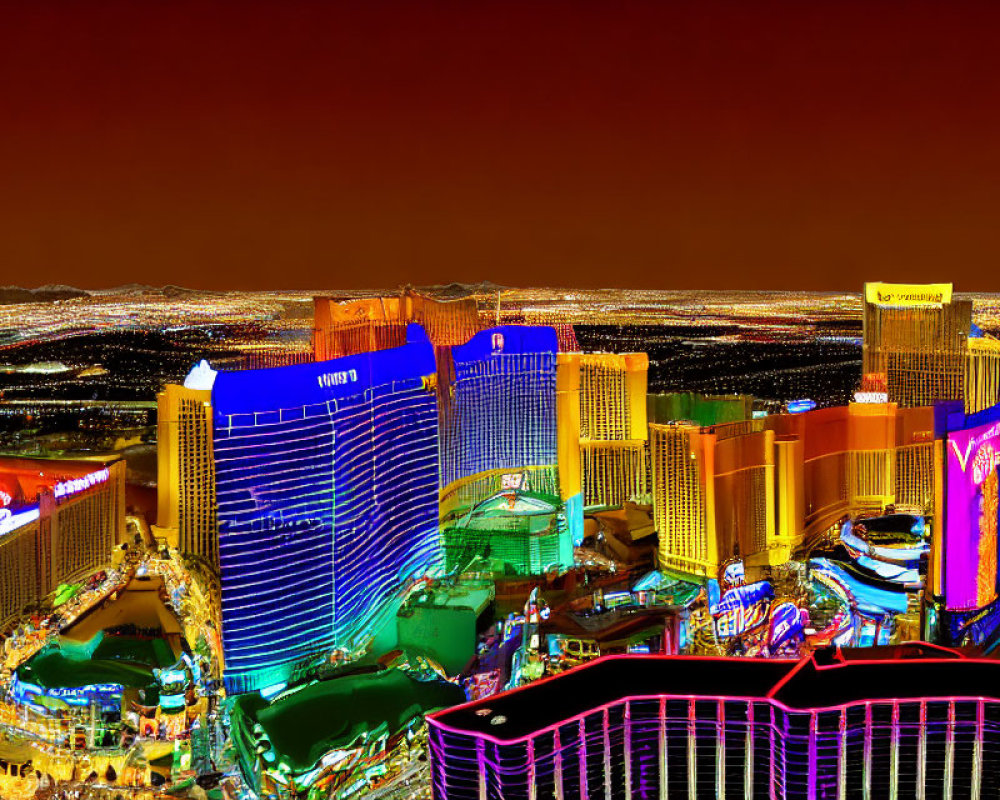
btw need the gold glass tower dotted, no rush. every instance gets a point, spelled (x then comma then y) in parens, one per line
(613, 430)
(378, 323)
(186, 510)
(915, 336)
(713, 494)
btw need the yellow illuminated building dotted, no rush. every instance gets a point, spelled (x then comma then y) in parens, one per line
(186, 510)
(713, 494)
(683, 498)
(762, 489)
(63, 519)
(613, 472)
(920, 342)
(23, 583)
(613, 396)
(982, 374)
(613, 432)
(916, 337)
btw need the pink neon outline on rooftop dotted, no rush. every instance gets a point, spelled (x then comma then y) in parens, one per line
(433, 719)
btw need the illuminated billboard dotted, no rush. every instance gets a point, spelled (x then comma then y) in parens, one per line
(970, 552)
(908, 295)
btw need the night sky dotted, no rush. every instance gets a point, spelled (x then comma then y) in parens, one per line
(808, 145)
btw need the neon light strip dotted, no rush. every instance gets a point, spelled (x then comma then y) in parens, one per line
(692, 753)
(748, 757)
(949, 751)
(842, 757)
(628, 751)
(977, 751)
(76, 485)
(663, 748)
(798, 775)
(922, 753)
(720, 749)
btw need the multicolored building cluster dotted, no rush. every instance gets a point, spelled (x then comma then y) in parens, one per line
(511, 441)
(426, 446)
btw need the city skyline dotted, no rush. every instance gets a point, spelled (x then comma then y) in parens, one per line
(543, 401)
(292, 570)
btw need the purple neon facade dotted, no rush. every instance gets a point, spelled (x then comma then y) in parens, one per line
(764, 743)
(969, 458)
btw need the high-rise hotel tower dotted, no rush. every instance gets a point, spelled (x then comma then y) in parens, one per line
(326, 481)
(915, 341)
(186, 471)
(502, 430)
(613, 428)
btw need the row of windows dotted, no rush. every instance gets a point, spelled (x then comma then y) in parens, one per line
(678, 500)
(85, 527)
(19, 573)
(982, 381)
(921, 351)
(502, 415)
(614, 472)
(86, 534)
(605, 411)
(197, 511)
(324, 512)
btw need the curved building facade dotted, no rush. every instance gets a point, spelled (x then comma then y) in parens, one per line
(326, 482)
(501, 414)
(507, 411)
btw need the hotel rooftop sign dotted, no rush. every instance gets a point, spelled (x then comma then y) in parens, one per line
(908, 295)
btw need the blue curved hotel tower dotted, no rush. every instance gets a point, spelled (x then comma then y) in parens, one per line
(326, 480)
(504, 406)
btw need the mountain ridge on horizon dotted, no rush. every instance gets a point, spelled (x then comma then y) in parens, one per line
(10, 295)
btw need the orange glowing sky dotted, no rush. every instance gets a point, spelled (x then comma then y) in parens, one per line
(301, 145)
